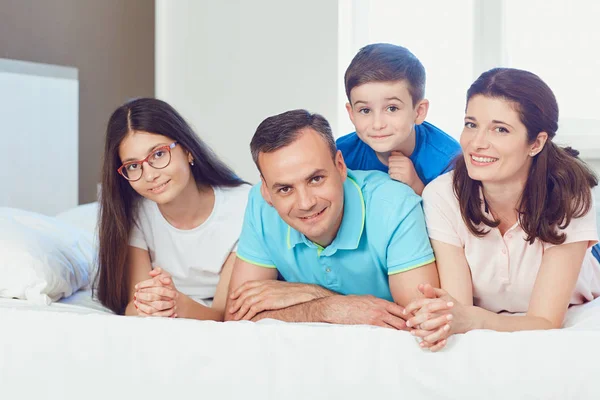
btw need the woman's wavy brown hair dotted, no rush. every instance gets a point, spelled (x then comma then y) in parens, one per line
(559, 183)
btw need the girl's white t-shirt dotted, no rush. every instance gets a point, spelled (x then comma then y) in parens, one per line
(196, 256)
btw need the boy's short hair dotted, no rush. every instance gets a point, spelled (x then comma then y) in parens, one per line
(384, 62)
(283, 129)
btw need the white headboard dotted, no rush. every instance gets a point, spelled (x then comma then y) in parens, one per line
(39, 107)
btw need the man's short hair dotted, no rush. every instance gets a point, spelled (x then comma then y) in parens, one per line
(283, 129)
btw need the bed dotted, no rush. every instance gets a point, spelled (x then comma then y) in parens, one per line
(74, 348)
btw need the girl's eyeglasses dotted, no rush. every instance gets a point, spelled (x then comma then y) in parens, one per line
(159, 158)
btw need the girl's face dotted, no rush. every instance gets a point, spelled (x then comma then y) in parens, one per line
(494, 141)
(161, 185)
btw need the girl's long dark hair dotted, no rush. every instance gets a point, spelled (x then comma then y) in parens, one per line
(118, 199)
(559, 183)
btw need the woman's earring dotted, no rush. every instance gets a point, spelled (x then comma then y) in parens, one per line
(192, 163)
(532, 154)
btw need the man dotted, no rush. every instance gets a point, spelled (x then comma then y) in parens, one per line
(351, 246)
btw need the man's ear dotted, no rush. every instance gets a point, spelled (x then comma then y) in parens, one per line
(265, 192)
(340, 165)
(538, 144)
(350, 114)
(421, 111)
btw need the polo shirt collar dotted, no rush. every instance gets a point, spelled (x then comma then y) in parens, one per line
(486, 211)
(351, 228)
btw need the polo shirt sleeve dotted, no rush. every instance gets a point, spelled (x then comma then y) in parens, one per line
(409, 246)
(251, 245)
(581, 229)
(442, 211)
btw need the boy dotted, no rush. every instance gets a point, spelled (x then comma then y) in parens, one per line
(385, 85)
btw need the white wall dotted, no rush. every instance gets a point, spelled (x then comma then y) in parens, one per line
(444, 45)
(39, 107)
(227, 65)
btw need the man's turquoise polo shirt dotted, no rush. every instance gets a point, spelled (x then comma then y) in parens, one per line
(382, 233)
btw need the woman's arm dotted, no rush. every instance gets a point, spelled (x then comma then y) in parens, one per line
(549, 301)
(454, 271)
(551, 294)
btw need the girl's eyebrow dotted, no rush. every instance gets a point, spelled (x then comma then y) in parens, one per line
(149, 151)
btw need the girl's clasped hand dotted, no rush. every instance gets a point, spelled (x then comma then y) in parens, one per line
(157, 296)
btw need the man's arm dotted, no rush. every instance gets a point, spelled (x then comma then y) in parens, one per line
(243, 272)
(329, 307)
(410, 258)
(254, 297)
(310, 311)
(339, 309)
(404, 285)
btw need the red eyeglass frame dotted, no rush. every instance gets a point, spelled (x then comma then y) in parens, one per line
(141, 162)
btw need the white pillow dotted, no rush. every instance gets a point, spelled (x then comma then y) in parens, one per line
(84, 217)
(41, 258)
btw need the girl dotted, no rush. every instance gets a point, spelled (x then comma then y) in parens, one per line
(167, 204)
(513, 226)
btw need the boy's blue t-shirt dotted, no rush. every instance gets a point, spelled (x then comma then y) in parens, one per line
(433, 154)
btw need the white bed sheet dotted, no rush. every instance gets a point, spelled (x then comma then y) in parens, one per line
(81, 302)
(66, 351)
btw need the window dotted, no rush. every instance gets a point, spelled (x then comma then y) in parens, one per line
(440, 34)
(560, 41)
(458, 40)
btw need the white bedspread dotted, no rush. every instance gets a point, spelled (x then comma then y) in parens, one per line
(47, 354)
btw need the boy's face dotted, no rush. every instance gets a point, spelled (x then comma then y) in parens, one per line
(384, 116)
(305, 185)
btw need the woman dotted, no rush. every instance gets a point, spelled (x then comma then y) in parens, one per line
(513, 226)
(170, 216)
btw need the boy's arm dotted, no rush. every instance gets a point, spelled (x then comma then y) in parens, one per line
(402, 169)
(418, 186)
